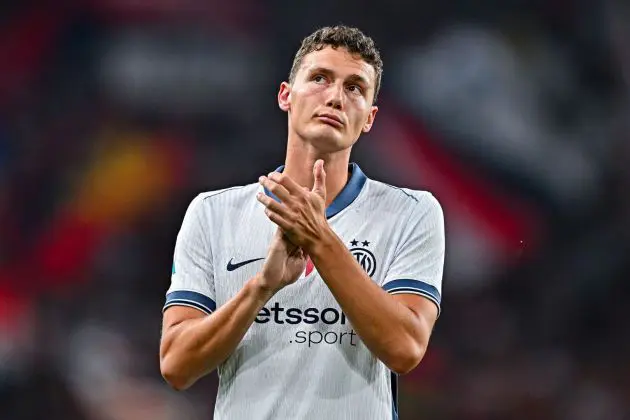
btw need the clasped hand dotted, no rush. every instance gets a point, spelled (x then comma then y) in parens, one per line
(301, 213)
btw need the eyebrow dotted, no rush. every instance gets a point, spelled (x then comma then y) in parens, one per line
(328, 72)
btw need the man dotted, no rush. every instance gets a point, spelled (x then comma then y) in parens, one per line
(311, 290)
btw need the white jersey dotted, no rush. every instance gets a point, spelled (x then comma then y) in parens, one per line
(301, 358)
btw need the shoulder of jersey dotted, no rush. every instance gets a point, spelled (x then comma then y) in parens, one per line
(397, 196)
(234, 194)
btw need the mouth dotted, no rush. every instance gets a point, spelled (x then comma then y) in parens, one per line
(330, 119)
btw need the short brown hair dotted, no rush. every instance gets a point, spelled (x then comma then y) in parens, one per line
(352, 39)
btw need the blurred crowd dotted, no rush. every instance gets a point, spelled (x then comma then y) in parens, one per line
(114, 114)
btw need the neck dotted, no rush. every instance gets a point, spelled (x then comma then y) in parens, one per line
(301, 157)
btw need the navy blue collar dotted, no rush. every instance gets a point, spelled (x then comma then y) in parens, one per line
(347, 195)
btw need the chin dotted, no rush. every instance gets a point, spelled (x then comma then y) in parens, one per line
(327, 140)
(328, 144)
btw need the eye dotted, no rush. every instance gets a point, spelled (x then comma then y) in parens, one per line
(318, 78)
(356, 89)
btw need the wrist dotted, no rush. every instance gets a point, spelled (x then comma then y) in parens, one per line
(324, 243)
(258, 287)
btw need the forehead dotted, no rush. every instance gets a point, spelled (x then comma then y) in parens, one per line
(339, 61)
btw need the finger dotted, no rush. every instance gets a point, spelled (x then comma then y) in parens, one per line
(287, 182)
(277, 189)
(273, 205)
(319, 186)
(278, 220)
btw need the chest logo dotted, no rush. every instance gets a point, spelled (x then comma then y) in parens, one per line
(364, 256)
(233, 266)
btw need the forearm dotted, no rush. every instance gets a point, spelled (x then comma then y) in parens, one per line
(195, 347)
(387, 327)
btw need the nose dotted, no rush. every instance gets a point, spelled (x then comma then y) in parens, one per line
(335, 99)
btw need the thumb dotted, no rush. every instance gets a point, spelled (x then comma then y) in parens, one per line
(319, 187)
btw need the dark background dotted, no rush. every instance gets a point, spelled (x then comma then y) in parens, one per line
(114, 114)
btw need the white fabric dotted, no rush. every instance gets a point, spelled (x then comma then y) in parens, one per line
(301, 359)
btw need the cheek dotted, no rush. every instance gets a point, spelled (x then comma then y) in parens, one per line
(300, 103)
(360, 120)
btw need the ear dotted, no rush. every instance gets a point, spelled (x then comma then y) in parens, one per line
(370, 119)
(284, 97)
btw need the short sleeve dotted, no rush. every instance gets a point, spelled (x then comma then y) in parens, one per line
(192, 276)
(419, 261)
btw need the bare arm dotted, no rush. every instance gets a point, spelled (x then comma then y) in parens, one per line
(395, 328)
(193, 344)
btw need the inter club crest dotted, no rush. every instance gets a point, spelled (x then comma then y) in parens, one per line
(363, 255)
(360, 251)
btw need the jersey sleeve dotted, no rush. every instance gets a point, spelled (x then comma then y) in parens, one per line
(419, 261)
(192, 276)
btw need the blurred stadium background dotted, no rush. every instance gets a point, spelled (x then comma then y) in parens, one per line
(515, 114)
